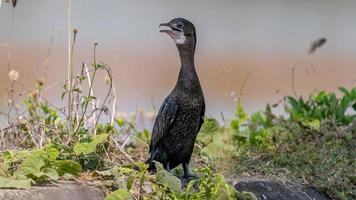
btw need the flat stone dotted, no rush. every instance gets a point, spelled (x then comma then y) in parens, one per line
(277, 190)
(61, 191)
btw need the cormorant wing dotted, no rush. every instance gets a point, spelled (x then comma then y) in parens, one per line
(164, 120)
(202, 113)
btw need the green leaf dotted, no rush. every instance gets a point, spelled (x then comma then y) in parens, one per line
(67, 167)
(158, 166)
(31, 165)
(90, 147)
(314, 124)
(14, 156)
(52, 153)
(119, 194)
(11, 183)
(97, 139)
(4, 169)
(344, 90)
(120, 121)
(52, 174)
(34, 167)
(240, 114)
(84, 148)
(167, 179)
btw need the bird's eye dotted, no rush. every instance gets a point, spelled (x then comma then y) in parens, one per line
(179, 25)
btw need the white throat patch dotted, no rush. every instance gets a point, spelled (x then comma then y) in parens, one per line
(180, 39)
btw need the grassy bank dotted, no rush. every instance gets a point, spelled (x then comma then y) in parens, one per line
(313, 143)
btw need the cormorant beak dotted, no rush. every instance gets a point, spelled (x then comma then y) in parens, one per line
(171, 29)
(165, 25)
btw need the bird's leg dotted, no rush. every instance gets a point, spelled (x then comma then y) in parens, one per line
(187, 175)
(186, 170)
(167, 167)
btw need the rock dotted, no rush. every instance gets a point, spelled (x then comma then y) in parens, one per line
(277, 190)
(61, 191)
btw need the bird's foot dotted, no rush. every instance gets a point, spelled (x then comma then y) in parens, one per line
(189, 177)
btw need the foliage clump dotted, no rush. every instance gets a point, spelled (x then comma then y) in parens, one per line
(314, 143)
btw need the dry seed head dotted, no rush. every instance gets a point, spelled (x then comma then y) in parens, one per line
(40, 81)
(96, 43)
(75, 31)
(14, 75)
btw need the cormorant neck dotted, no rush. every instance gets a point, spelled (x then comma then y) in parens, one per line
(186, 58)
(188, 77)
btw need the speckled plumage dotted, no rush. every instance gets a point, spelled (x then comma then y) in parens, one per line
(182, 112)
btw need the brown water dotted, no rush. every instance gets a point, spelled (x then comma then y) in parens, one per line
(234, 37)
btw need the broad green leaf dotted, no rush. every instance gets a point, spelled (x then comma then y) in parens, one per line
(84, 148)
(119, 194)
(89, 147)
(4, 169)
(67, 167)
(344, 90)
(167, 179)
(31, 165)
(16, 155)
(158, 166)
(52, 153)
(10, 183)
(47, 173)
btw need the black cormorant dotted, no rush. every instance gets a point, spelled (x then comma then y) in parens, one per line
(182, 112)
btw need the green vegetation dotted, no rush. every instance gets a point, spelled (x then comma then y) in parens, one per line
(313, 143)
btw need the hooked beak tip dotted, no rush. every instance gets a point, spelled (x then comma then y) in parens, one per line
(163, 24)
(164, 30)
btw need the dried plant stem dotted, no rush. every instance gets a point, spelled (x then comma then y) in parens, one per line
(46, 62)
(70, 86)
(293, 81)
(89, 92)
(122, 151)
(70, 67)
(244, 83)
(113, 104)
(31, 135)
(292, 70)
(9, 51)
(108, 70)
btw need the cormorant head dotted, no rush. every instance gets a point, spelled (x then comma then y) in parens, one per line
(182, 32)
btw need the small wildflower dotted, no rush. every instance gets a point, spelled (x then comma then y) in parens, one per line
(14, 75)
